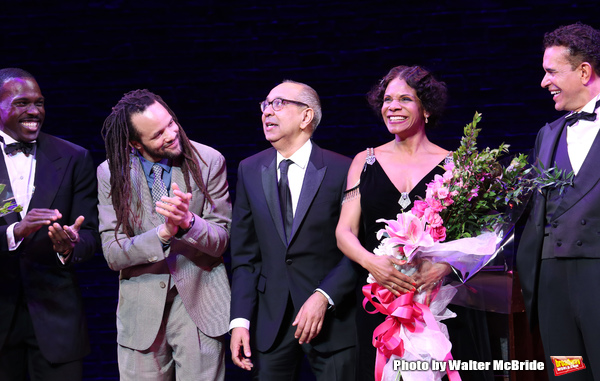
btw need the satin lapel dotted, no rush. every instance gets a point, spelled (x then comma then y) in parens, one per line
(49, 171)
(4, 179)
(586, 179)
(269, 183)
(547, 148)
(549, 142)
(315, 173)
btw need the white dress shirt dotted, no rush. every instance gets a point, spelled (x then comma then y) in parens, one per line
(21, 173)
(296, 172)
(581, 135)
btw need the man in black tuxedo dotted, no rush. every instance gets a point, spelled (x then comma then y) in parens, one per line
(559, 254)
(292, 287)
(42, 324)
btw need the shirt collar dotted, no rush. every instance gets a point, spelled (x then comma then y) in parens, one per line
(590, 106)
(300, 157)
(8, 139)
(147, 165)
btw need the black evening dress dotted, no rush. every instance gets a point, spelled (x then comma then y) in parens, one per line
(379, 198)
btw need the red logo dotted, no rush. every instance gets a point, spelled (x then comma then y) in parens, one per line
(567, 364)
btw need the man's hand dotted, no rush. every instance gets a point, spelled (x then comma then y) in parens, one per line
(65, 237)
(240, 348)
(34, 220)
(309, 320)
(176, 209)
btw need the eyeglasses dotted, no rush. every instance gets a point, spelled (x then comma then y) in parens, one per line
(279, 103)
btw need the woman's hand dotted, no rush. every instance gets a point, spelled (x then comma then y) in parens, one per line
(383, 270)
(430, 276)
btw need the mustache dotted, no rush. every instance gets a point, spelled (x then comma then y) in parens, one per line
(176, 140)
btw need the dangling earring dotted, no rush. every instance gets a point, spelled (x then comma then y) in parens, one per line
(426, 120)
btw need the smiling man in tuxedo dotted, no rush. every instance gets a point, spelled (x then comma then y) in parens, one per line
(559, 254)
(42, 324)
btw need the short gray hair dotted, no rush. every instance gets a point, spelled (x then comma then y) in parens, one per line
(311, 98)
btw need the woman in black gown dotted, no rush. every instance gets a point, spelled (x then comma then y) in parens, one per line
(384, 182)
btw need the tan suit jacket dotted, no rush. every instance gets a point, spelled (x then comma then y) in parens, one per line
(194, 262)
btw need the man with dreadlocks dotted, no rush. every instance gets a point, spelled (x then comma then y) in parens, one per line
(165, 215)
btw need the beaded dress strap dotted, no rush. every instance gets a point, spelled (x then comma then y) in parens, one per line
(354, 192)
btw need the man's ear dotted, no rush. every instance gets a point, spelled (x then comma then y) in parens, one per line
(309, 115)
(586, 72)
(135, 144)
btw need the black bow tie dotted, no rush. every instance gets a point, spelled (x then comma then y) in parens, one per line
(26, 148)
(582, 115)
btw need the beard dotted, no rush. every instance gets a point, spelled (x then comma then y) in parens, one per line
(170, 153)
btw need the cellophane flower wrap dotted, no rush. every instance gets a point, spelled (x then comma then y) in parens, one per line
(461, 221)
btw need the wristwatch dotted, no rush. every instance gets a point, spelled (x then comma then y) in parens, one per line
(181, 231)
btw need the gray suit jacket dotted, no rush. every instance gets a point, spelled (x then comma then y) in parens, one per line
(194, 262)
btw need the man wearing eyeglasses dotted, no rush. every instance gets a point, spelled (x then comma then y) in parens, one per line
(292, 287)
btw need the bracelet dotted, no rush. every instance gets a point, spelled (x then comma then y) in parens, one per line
(181, 231)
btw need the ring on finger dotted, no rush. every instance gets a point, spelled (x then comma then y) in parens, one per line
(393, 286)
(71, 239)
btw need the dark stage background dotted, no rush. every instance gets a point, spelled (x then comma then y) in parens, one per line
(213, 61)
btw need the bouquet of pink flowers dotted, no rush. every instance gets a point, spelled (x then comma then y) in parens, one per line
(459, 221)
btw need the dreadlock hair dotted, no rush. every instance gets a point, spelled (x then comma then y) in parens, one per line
(117, 132)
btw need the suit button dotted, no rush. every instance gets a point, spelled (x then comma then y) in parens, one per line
(559, 244)
(583, 222)
(288, 261)
(153, 259)
(162, 285)
(554, 224)
(578, 243)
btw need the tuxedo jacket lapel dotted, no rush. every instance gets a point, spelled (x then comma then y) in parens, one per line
(315, 172)
(549, 143)
(547, 146)
(48, 177)
(269, 184)
(587, 177)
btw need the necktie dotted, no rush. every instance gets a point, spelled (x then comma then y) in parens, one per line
(582, 115)
(158, 186)
(285, 198)
(26, 148)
